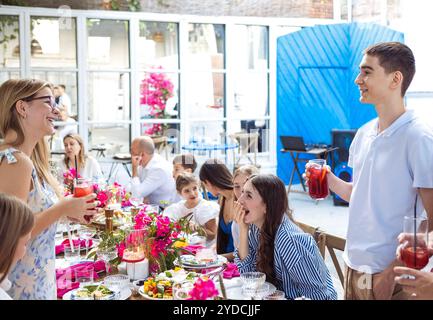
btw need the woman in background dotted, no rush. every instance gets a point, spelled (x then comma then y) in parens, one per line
(88, 167)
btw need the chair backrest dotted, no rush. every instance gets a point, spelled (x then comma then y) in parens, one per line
(317, 234)
(334, 242)
(327, 241)
(248, 143)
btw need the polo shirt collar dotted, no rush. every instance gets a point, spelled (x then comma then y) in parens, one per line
(405, 118)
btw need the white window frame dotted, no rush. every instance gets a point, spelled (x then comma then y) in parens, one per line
(269, 159)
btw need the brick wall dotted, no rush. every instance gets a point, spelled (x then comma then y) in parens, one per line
(261, 8)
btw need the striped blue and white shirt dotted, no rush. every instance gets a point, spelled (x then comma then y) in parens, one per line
(299, 267)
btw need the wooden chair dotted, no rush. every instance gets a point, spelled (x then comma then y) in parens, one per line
(327, 241)
(161, 143)
(334, 242)
(318, 235)
(248, 143)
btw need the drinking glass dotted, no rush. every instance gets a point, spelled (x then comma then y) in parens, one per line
(85, 275)
(413, 250)
(107, 255)
(317, 180)
(72, 254)
(86, 233)
(82, 188)
(117, 283)
(252, 281)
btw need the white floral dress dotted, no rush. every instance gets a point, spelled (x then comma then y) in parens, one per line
(33, 277)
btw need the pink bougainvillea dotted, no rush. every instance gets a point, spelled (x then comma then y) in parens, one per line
(156, 89)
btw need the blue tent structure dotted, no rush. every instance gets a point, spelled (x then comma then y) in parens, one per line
(316, 70)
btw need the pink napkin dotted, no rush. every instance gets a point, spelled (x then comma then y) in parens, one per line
(65, 278)
(231, 271)
(61, 247)
(193, 248)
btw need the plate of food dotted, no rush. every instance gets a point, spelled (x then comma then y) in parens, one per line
(160, 287)
(97, 292)
(193, 262)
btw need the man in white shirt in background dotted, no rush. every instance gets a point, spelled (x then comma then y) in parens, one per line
(151, 174)
(62, 98)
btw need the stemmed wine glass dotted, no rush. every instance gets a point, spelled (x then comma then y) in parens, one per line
(107, 255)
(86, 233)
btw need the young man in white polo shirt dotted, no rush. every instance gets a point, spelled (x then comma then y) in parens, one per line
(392, 158)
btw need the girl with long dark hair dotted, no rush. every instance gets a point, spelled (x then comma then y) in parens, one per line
(271, 243)
(218, 180)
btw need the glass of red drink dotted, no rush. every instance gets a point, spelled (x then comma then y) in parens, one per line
(414, 252)
(82, 188)
(317, 179)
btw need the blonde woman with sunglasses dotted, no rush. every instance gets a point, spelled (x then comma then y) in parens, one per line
(27, 113)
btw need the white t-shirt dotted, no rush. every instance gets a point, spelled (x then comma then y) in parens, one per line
(203, 212)
(5, 286)
(65, 101)
(92, 170)
(387, 169)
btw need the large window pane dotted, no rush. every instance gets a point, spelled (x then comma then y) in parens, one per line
(6, 75)
(251, 47)
(68, 79)
(250, 95)
(206, 46)
(204, 92)
(158, 45)
(9, 42)
(115, 137)
(108, 96)
(169, 130)
(107, 44)
(53, 42)
(159, 95)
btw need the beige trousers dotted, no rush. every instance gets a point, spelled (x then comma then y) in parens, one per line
(359, 286)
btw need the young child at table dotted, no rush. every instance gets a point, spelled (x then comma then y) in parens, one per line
(201, 212)
(16, 224)
(183, 163)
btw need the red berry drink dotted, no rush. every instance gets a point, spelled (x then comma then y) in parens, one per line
(317, 180)
(415, 258)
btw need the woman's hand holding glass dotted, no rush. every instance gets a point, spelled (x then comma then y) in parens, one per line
(77, 208)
